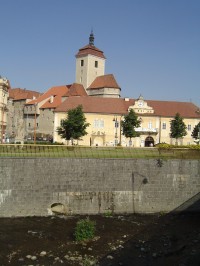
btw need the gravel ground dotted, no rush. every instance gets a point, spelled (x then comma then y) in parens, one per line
(142, 240)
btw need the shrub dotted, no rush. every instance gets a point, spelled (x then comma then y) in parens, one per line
(170, 146)
(108, 214)
(85, 229)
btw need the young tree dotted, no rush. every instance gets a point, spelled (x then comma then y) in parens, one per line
(130, 122)
(196, 132)
(177, 128)
(74, 126)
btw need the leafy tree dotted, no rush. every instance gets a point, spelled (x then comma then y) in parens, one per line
(130, 122)
(177, 128)
(196, 132)
(74, 126)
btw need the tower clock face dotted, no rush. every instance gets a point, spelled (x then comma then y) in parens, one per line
(140, 103)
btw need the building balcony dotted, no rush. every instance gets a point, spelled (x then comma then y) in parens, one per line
(143, 130)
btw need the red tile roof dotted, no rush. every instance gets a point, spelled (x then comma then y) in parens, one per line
(120, 106)
(170, 108)
(105, 81)
(94, 105)
(90, 49)
(55, 92)
(76, 90)
(22, 94)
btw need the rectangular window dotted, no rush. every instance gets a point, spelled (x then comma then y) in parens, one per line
(101, 123)
(95, 123)
(150, 125)
(82, 62)
(37, 124)
(164, 126)
(96, 64)
(98, 123)
(29, 124)
(189, 127)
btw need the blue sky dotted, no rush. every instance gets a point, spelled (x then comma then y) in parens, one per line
(152, 46)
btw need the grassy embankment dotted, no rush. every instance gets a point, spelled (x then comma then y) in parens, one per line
(60, 151)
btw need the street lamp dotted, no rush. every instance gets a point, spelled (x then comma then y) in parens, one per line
(35, 125)
(116, 126)
(2, 119)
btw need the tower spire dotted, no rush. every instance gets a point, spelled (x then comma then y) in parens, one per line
(91, 38)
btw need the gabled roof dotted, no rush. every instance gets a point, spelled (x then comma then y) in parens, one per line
(76, 89)
(56, 92)
(120, 106)
(90, 49)
(105, 81)
(22, 94)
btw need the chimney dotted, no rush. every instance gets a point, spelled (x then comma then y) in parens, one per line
(51, 99)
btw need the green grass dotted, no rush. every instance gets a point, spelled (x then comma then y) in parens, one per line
(61, 151)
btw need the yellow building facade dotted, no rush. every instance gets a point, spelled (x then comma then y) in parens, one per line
(105, 115)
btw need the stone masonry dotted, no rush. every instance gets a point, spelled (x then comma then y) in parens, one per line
(90, 186)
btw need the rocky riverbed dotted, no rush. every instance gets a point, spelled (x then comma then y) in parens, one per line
(142, 240)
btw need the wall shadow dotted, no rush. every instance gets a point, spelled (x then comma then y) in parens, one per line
(171, 239)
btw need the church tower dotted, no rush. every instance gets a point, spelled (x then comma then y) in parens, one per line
(90, 63)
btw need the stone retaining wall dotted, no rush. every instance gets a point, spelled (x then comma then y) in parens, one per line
(90, 186)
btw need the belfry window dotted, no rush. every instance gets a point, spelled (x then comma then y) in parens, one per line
(82, 62)
(96, 64)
